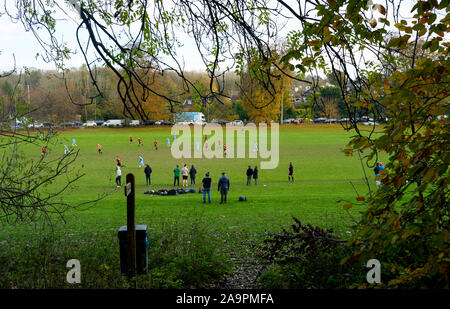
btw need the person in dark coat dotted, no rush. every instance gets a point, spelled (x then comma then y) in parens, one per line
(206, 188)
(376, 170)
(192, 173)
(255, 175)
(249, 175)
(148, 171)
(291, 172)
(223, 187)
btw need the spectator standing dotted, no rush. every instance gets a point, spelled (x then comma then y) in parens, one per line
(185, 174)
(249, 175)
(192, 173)
(291, 172)
(176, 176)
(206, 188)
(223, 187)
(255, 175)
(376, 170)
(148, 172)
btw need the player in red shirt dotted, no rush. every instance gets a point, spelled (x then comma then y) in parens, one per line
(224, 150)
(156, 145)
(118, 160)
(43, 151)
(140, 141)
(131, 139)
(99, 147)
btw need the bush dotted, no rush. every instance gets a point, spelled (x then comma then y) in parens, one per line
(308, 257)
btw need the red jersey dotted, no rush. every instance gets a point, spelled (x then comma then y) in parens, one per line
(139, 140)
(155, 142)
(43, 149)
(118, 160)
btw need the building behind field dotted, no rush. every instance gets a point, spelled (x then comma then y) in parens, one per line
(191, 117)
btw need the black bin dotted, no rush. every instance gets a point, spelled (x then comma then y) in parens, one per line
(141, 249)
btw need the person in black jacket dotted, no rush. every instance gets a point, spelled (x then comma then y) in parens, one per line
(192, 173)
(249, 175)
(206, 188)
(223, 187)
(148, 171)
(255, 175)
(291, 172)
(376, 170)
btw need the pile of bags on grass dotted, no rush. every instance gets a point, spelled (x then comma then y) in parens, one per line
(170, 191)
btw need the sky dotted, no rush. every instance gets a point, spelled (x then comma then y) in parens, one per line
(16, 42)
(21, 46)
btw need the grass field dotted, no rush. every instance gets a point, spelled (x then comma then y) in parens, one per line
(322, 177)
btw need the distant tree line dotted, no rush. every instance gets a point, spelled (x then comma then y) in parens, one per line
(70, 96)
(62, 97)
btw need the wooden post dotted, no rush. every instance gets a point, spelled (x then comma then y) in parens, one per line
(131, 225)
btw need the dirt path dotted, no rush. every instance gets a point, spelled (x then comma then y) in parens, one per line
(244, 275)
(246, 268)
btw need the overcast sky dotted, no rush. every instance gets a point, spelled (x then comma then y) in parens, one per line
(16, 43)
(14, 40)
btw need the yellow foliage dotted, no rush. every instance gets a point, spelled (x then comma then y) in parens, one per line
(262, 97)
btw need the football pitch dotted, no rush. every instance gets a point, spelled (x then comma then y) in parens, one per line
(323, 175)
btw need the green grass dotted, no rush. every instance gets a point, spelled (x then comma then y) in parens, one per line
(322, 177)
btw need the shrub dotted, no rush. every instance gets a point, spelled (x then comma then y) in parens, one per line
(307, 257)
